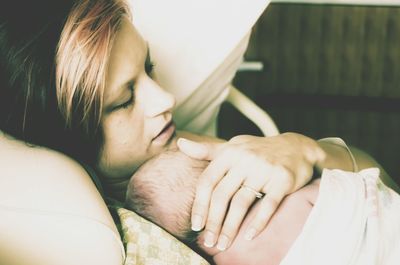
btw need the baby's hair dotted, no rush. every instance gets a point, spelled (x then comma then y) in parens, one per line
(82, 58)
(163, 190)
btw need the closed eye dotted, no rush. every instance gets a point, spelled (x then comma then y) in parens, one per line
(131, 99)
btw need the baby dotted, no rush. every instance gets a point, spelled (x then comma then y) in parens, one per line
(335, 231)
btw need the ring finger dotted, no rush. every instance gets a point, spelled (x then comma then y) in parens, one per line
(222, 194)
(240, 204)
(268, 206)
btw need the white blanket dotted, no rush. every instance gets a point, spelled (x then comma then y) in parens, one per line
(355, 220)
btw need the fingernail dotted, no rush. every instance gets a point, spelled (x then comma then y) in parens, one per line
(209, 239)
(223, 242)
(196, 222)
(182, 141)
(250, 234)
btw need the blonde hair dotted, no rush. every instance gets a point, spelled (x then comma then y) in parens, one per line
(82, 58)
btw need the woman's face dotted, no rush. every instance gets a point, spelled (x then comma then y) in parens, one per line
(137, 118)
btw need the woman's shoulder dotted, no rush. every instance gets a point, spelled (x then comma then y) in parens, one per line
(15, 152)
(40, 186)
(39, 177)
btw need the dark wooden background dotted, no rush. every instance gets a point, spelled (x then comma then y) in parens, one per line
(328, 71)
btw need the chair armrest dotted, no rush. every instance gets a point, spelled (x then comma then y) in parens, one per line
(253, 112)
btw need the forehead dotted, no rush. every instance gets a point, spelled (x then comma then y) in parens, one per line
(126, 60)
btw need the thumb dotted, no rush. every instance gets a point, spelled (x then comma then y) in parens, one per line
(196, 150)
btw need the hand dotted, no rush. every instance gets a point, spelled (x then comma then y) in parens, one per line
(275, 166)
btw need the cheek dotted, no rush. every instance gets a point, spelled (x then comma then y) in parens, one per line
(123, 137)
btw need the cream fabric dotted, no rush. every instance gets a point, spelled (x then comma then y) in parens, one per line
(355, 221)
(197, 46)
(148, 244)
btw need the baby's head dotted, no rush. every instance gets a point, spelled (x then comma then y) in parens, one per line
(163, 190)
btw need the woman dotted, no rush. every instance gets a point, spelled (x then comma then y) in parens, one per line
(78, 79)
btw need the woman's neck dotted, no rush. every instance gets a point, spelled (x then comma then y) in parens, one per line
(115, 187)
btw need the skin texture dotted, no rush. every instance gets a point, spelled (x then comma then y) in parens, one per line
(171, 180)
(276, 166)
(131, 119)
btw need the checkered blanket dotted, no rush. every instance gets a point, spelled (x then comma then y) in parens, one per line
(147, 244)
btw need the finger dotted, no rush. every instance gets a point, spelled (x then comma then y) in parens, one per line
(321, 155)
(196, 150)
(268, 206)
(240, 205)
(220, 199)
(210, 177)
(315, 154)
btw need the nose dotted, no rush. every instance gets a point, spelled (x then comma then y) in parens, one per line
(157, 100)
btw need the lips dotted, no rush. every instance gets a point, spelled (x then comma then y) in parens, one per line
(165, 134)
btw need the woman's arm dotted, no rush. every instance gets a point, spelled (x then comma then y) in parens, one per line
(339, 156)
(51, 212)
(364, 160)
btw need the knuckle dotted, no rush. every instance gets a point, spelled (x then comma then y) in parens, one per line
(229, 230)
(225, 152)
(295, 196)
(229, 155)
(236, 151)
(239, 138)
(217, 213)
(213, 225)
(272, 203)
(251, 156)
(204, 184)
(260, 222)
(241, 201)
(287, 177)
(221, 195)
(264, 166)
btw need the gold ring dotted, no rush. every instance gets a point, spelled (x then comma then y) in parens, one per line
(258, 194)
